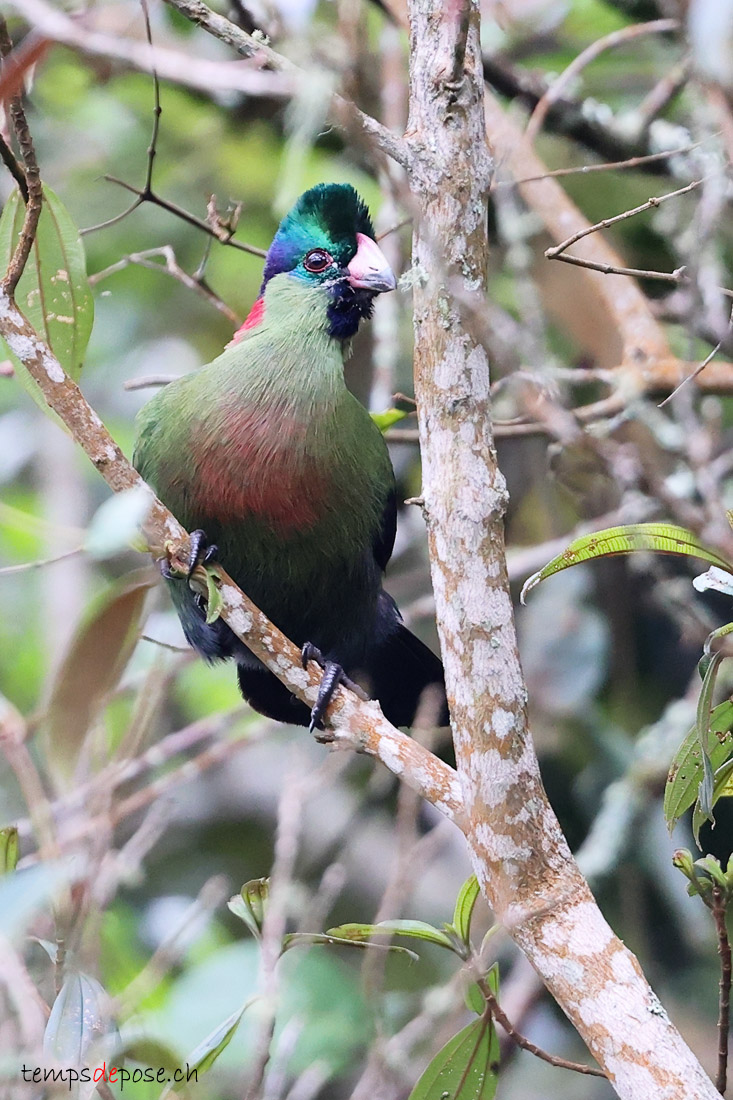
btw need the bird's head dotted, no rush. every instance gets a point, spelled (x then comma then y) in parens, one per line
(327, 241)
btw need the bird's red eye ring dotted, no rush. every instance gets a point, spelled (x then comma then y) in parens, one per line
(317, 260)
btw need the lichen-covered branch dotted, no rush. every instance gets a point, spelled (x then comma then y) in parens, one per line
(520, 855)
(353, 723)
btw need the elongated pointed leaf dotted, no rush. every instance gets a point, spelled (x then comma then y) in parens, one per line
(702, 724)
(686, 770)
(465, 1069)
(92, 667)
(721, 787)
(662, 538)
(53, 292)
(250, 904)
(325, 939)
(78, 1019)
(209, 1049)
(416, 928)
(467, 898)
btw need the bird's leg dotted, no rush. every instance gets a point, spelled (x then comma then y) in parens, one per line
(333, 675)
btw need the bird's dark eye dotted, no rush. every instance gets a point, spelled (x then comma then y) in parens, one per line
(317, 260)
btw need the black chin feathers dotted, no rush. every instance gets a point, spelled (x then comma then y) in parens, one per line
(348, 306)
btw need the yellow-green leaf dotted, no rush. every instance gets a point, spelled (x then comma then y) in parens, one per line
(686, 770)
(467, 897)
(214, 601)
(53, 292)
(9, 849)
(660, 538)
(250, 904)
(293, 939)
(417, 928)
(388, 418)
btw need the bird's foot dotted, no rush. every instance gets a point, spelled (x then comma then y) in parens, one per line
(333, 676)
(200, 552)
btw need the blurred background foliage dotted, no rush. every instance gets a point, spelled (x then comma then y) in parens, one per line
(97, 666)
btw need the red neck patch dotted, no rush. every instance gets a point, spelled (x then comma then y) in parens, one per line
(254, 318)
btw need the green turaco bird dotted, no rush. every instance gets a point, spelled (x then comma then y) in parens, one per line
(282, 474)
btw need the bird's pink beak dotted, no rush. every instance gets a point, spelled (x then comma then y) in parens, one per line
(369, 268)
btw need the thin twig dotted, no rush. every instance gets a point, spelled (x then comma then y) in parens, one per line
(662, 94)
(718, 909)
(527, 1044)
(558, 86)
(8, 570)
(607, 166)
(555, 251)
(9, 160)
(152, 147)
(146, 194)
(170, 266)
(32, 175)
(690, 377)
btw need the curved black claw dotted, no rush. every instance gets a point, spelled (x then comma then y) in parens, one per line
(311, 652)
(202, 552)
(333, 675)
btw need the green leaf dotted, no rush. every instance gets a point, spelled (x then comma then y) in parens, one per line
(416, 928)
(686, 770)
(467, 897)
(91, 668)
(209, 1049)
(53, 292)
(295, 939)
(702, 725)
(250, 904)
(9, 850)
(388, 418)
(78, 1019)
(214, 601)
(662, 538)
(465, 1069)
(474, 999)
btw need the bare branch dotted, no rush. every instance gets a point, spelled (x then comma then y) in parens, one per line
(33, 188)
(596, 48)
(170, 266)
(526, 1044)
(650, 204)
